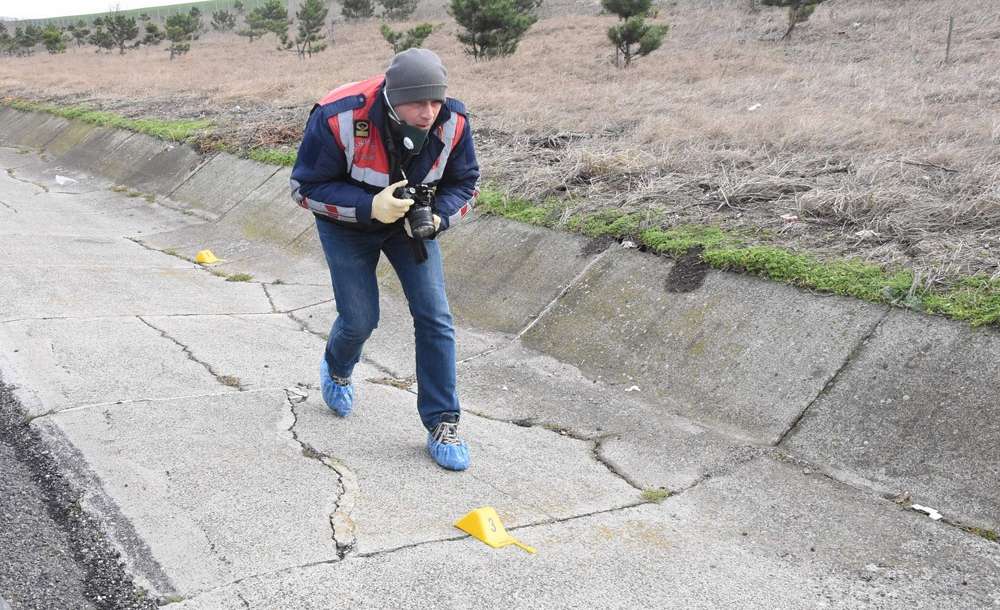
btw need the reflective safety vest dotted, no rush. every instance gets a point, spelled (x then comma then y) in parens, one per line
(357, 136)
(344, 120)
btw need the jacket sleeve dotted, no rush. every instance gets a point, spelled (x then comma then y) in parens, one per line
(319, 176)
(459, 184)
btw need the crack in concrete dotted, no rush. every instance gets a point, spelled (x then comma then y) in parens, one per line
(13, 175)
(486, 352)
(9, 206)
(563, 292)
(343, 530)
(226, 380)
(364, 358)
(833, 378)
(609, 464)
(246, 604)
(304, 306)
(274, 308)
(901, 499)
(597, 441)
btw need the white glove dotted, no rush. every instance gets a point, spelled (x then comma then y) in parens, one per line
(437, 225)
(386, 208)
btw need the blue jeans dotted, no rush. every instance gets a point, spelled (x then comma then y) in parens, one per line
(352, 256)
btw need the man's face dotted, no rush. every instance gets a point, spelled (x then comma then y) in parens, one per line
(420, 114)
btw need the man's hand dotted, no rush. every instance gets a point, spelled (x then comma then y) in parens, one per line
(437, 225)
(386, 208)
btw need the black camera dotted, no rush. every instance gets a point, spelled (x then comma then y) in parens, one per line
(421, 213)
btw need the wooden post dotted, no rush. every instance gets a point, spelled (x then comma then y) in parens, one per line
(947, 51)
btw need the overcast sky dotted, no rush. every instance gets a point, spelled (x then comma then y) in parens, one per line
(40, 9)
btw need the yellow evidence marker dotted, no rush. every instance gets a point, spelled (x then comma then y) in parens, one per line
(484, 524)
(205, 257)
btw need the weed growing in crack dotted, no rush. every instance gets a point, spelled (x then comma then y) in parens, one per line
(239, 277)
(988, 534)
(655, 495)
(230, 380)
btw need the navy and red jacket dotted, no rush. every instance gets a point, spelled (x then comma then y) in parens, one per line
(343, 161)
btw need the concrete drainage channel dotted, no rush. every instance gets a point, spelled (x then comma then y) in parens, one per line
(661, 389)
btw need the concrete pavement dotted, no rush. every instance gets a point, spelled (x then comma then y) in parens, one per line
(187, 408)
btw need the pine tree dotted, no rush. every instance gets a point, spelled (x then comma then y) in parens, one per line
(398, 10)
(6, 40)
(101, 39)
(311, 16)
(52, 38)
(195, 13)
(632, 36)
(154, 35)
(181, 29)
(409, 39)
(80, 32)
(223, 21)
(799, 11)
(272, 18)
(121, 29)
(493, 27)
(353, 10)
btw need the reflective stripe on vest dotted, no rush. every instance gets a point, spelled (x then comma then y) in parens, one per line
(450, 132)
(343, 213)
(363, 165)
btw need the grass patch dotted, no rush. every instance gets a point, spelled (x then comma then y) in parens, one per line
(606, 223)
(847, 277)
(655, 495)
(273, 156)
(678, 240)
(151, 198)
(239, 277)
(175, 130)
(494, 202)
(990, 535)
(974, 299)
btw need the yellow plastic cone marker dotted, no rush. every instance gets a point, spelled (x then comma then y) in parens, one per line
(205, 257)
(484, 524)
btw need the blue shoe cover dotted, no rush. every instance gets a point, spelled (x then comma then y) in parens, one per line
(340, 398)
(452, 457)
(446, 448)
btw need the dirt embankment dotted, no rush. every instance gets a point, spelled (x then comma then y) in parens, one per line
(851, 139)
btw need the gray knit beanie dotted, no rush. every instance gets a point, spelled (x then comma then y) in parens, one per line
(414, 75)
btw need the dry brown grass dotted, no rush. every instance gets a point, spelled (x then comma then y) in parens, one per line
(854, 126)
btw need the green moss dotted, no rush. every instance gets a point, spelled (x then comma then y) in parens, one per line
(606, 223)
(656, 495)
(678, 240)
(990, 535)
(494, 202)
(273, 156)
(975, 299)
(846, 277)
(239, 277)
